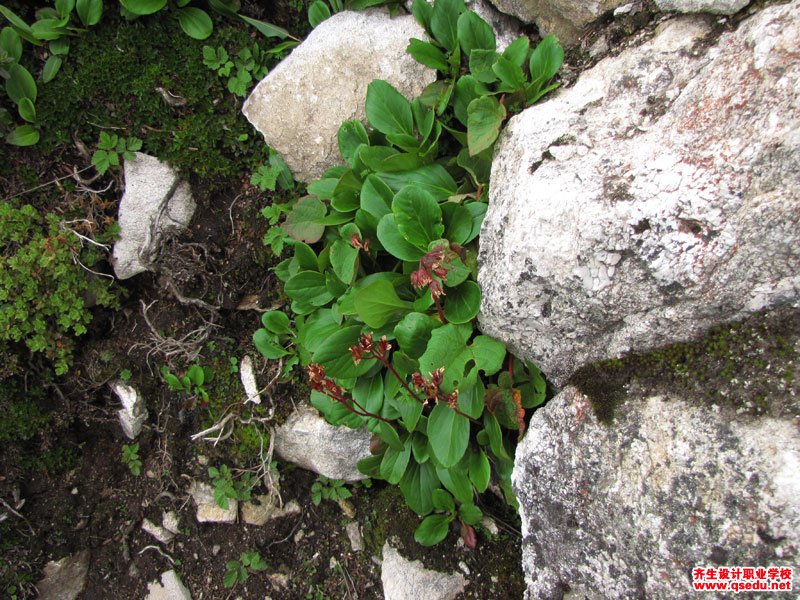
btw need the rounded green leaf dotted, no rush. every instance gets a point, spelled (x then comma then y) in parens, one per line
(417, 486)
(546, 60)
(444, 22)
(394, 463)
(378, 302)
(457, 482)
(376, 197)
(275, 321)
(90, 11)
(351, 133)
(470, 514)
(308, 287)
(474, 32)
(143, 7)
(24, 135)
(20, 84)
(334, 354)
(462, 302)
(479, 470)
(318, 12)
(195, 22)
(457, 222)
(443, 501)
(51, 68)
(301, 224)
(433, 529)
(418, 216)
(11, 43)
(427, 54)
(448, 434)
(27, 110)
(484, 118)
(387, 109)
(344, 260)
(410, 409)
(59, 47)
(414, 331)
(393, 241)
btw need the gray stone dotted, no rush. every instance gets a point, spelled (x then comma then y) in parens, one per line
(309, 441)
(718, 7)
(155, 202)
(564, 18)
(133, 414)
(264, 509)
(248, 376)
(626, 511)
(208, 511)
(171, 521)
(170, 588)
(353, 531)
(161, 534)
(300, 105)
(409, 580)
(656, 198)
(64, 579)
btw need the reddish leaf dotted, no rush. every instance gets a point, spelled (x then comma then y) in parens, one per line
(468, 535)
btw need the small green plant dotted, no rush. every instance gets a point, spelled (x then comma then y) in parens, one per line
(125, 374)
(237, 571)
(274, 338)
(320, 10)
(225, 488)
(276, 237)
(130, 456)
(434, 527)
(234, 365)
(328, 489)
(275, 173)
(109, 149)
(192, 382)
(240, 71)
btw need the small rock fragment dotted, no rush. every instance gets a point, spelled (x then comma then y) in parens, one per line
(133, 414)
(208, 511)
(170, 588)
(171, 521)
(64, 579)
(409, 580)
(248, 377)
(157, 531)
(353, 531)
(263, 509)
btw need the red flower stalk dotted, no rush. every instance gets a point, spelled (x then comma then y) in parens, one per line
(358, 244)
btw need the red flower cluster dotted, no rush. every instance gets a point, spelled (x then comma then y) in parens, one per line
(366, 348)
(355, 242)
(432, 387)
(430, 265)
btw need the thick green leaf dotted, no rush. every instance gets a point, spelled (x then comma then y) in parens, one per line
(457, 482)
(373, 156)
(492, 429)
(20, 26)
(434, 179)
(471, 394)
(462, 302)
(275, 321)
(323, 188)
(444, 22)
(370, 466)
(143, 7)
(443, 501)
(49, 29)
(376, 197)
(414, 331)
(470, 514)
(511, 76)
(195, 22)
(51, 67)
(378, 302)
(418, 216)
(344, 260)
(479, 470)
(64, 7)
(419, 447)
(11, 43)
(301, 224)
(394, 463)
(346, 193)
(448, 434)
(27, 110)
(394, 243)
(308, 287)
(24, 135)
(334, 412)
(351, 134)
(266, 29)
(417, 485)
(410, 409)
(318, 12)
(387, 109)
(424, 118)
(306, 258)
(389, 435)
(317, 328)
(485, 116)
(422, 11)
(368, 392)
(433, 529)
(546, 60)
(90, 11)
(20, 84)
(517, 51)
(475, 33)
(478, 212)
(457, 222)
(334, 354)
(427, 54)
(481, 63)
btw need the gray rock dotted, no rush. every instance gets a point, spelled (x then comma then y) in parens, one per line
(170, 588)
(656, 198)
(626, 511)
(208, 511)
(409, 580)
(155, 202)
(506, 28)
(64, 579)
(353, 531)
(300, 105)
(248, 376)
(264, 509)
(161, 534)
(718, 7)
(309, 441)
(133, 414)
(564, 18)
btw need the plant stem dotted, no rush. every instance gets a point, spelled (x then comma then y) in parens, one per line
(386, 363)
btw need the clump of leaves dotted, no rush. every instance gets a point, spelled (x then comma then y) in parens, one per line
(328, 489)
(43, 284)
(130, 457)
(192, 382)
(109, 149)
(274, 339)
(226, 488)
(248, 65)
(386, 300)
(237, 571)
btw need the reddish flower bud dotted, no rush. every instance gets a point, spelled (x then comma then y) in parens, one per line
(357, 352)
(383, 347)
(437, 377)
(420, 278)
(418, 380)
(436, 289)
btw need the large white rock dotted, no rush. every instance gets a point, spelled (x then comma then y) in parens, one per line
(409, 579)
(155, 202)
(564, 18)
(628, 510)
(133, 414)
(720, 7)
(309, 441)
(656, 198)
(300, 105)
(64, 579)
